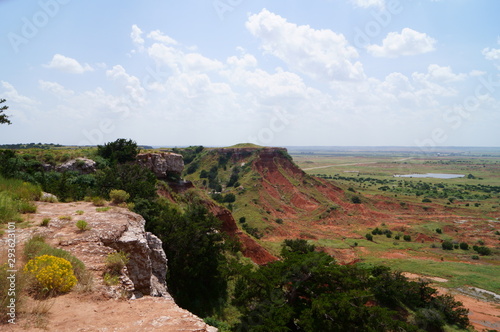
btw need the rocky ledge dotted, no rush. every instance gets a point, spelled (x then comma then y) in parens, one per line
(142, 280)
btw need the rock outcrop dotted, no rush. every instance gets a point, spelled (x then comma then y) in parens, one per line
(82, 165)
(163, 165)
(150, 308)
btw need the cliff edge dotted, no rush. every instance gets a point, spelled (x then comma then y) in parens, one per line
(140, 302)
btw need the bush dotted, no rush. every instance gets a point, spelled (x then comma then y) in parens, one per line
(279, 221)
(369, 237)
(98, 201)
(407, 238)
(426, 200)
(116, 261)
(464, 246)
(118, 196)
(45, 222)
(119, 151)
(475, 257)
(82, 225)
(447, 245)
(483, 251)
(356, 200)
(243, 220)
(51, 273)
(36, 246)
(439, 230)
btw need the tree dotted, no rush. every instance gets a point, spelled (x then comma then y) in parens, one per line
(4, 118)
(119, 151)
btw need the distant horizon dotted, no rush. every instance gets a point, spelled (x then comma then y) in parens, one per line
(322, 147)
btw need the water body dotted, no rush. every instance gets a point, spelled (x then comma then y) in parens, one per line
(431, 175)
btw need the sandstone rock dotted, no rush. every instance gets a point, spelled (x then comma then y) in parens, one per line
(82, 165)
(162, 164)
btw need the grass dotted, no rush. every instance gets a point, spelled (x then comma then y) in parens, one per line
(458, 274)
(16, 198)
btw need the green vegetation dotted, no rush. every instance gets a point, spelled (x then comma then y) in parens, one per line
(118, 196)
(116, 261)
(307, 291)
(82, 225)
(50, 274)
(4, 119)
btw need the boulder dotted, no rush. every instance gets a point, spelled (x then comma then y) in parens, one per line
(82, 165)
(163, 165)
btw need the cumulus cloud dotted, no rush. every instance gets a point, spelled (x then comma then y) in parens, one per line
(136, 36)
(408, 42)
(129, 83)
(55, 88)
(11, 94)
(369, 3)
(157, 35)
(320, 54)
(67, 65)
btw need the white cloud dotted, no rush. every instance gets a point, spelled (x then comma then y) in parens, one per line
(67, 65)
(157, 35)
(408, 42)
(11, 94)
(130, 84)
(320, 54)
(491, 53)
(179, 61)
(55, 88)
(444, 74)
(136, 36)
(369, 3)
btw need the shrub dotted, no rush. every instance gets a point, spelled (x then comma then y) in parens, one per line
(110, 279)
(229, 198)
(369, 237)
(243, 220)
(118, 196)
(447, 245)
(51, 273)
(279, 221)
(483, 251)
(397, 237)
(356, 200)
(45, 222)
(102, 209)
(82, 225)
(426, 200)
(98, 201)
(439, 230)
(407, 238)
(79, 212)
(116, 261)
(464, 246)
(68, 218)
(475, 257)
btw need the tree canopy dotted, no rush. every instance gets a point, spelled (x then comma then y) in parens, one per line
(3, 117)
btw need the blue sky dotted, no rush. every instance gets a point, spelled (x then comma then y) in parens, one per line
(279, 73)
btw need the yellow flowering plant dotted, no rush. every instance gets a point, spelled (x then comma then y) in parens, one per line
(51, 273)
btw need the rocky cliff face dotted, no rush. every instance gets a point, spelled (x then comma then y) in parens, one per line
(150, 307)
(162, 164)
(82, 165)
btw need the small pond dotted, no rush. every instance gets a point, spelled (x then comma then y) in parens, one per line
(431, 175)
